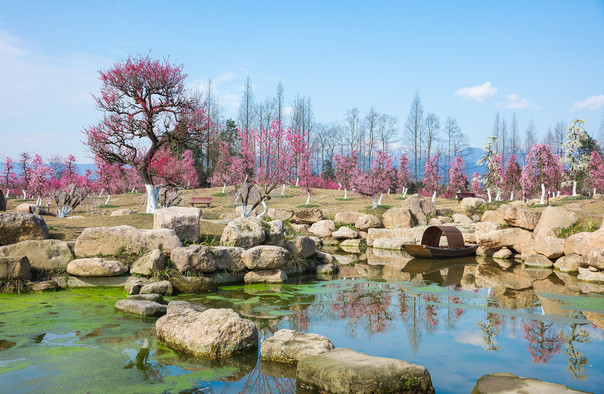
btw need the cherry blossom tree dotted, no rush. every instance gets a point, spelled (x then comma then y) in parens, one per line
(378, 179)
(228, 170)
(511, 176)
(458, 180)
(595, 172)
(475, 186)
(431, 177)
(543, 169)
(70, 189)
(145, 107)
(109, 177)
(25, 162)
(347, 170)
(403, 174)
(8, 178)
(38, 183)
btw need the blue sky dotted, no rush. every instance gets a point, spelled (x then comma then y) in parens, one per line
(543, 60)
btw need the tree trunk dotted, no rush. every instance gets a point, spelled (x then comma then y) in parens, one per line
(24, 195)
(8, 193)
(542, 194)
(223, 187)
(152, 197)
(405, 190)
(265, 209)
(592, 195)
(489, 194)
(339, 186)
(107, 200)
(308, 199)
(512, 195)
(434, 196)
(345, 194)
(283, 190)
(297, 180)
(374, 204)
(380, 200)
(101, 192)
(574, 188)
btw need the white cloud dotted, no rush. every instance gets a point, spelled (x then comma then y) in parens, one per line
(477, 93)
(515, 102)
(287, 111)
(470, 338)
(593, 102)
(227, 89)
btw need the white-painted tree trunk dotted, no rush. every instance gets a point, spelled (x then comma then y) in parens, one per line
(133, 189)
(592, 195)
(297, 180)
(223, 187)
(339, 186)
(308, 198)
(39, 201)
(152, 197)
(405, 190)
(380, 200)
(434, 196)
(574, 188)
(498, 196)
(8, 193)
(265, 209)
(24, 195)
(558, 194)
(101, 192)
(542, 194)
(107, 200)
(512, 195)
(345, 194)
(388, 190)
(374, 203)
(489, 194)
(283, 190)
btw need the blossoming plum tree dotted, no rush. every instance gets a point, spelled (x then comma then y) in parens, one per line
(8, 178)
(347, 170)
(511, 176)
(403, 174)
(431, 176)
(378, 180)
(542, 168)
(458, 180)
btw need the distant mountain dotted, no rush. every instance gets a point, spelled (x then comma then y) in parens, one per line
(80, 168)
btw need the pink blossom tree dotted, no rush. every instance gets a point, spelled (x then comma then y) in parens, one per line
(543, 169)
(458, 180)
(595, 172)
(431, 177)
(378, 180)
(109, 177)
(25, 163)
(492, 160)
(347, 170)
(8, 178)
(403, 174)
(146, 107)
(38, 183)
(70, 189)
(305, 174)
(511, 176)
(475, 186)
(228, 169)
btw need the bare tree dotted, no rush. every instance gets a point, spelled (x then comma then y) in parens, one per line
(514, 136)
(352, 128)
(431, 126)
(601, 133)
(558, 137)
(413, 131)
(503, 139)
(496, 131)
(531, 136)
(279, 101)
(387, 129)
(265, 113)
(246, 115)
(456, 142)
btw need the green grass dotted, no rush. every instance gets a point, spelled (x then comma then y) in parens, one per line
(379, 211)
(575, 198)
(578, 227)
(307, 206)
(107, 206)
(218, 195)
(344, 199)
(283, 196)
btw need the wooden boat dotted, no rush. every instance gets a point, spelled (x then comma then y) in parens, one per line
(430, 249)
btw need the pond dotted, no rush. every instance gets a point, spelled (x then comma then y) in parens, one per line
(459, 319)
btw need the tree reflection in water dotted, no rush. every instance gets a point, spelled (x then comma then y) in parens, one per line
(365, 302)
(490, 329)
(259, 382)
(576, 360)
(151, 370)
(543, 341)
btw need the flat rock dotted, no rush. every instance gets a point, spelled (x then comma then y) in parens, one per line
(265, 257)
(14, 268)
(520, 217)
(183, 220)
(214, 333)
(347, 217)
(307, 216)
(17, 227)
(503, 253)
(507, 383)
(461, 219)
(133, 284)
(149, 263)
(514, 238)
(568, 263)
(193, 258)
(289, 346)
(322, 228)
(122, 212)
(539, 261)
(346, 371)
(108, 241)
(488, 275)
(163, 287)
(96, 266)
(141, 308)
(47, 254)
(175, 307)
(414, 233)
(265, 276)
(587, 275)
(344, 233)
(193, 284)
(147, 297)
(243, 232)
(228, 258)
(280, 213)
(392, 243)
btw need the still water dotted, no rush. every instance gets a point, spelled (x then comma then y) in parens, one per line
(459, 319)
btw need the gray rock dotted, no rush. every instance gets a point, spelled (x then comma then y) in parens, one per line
(147, 297)
(265, 276)
(193, 284)
(326, 269)
(133, 284)
(307, 216)
(325, 258)
(228, 258)
(14, 268)
(47, 254)
(141, 308)
(96, 266)
(243, 232)
(503, 382)
(148, 263)
(276, 233)
(175, 307)
(345, 233)
(280, 213)
(265, 257)
(214, 333)
(302, 246)
(289, 346)
(163, 287)
(16, 227)
(193, 258)
(537, 260)
(322, 228)
(347, 217)
(184, 221)
(346, 371)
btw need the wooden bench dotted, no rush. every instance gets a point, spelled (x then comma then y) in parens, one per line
(461, 196)
(200, 200)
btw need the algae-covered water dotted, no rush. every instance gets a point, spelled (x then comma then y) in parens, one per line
(74, 341)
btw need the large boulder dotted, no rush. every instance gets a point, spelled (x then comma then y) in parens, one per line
(554, 218)
(322, 228)
(520, 217)
(265, 276)
(16, 227)
(32, 208)
(483, 228)
(275, 235)
(307, 216)
(471, 204)
(365, 222)
(550, 247)
(214, 333)
(495, 216)
(47, 254)
(347, 217)
(280, 213)
(593, 258)
(514, 238)
(228, 258)
(96, 266)
(568, 263)
(243, 232)
(184, 221)
(417, 203)
(302, 246)
(122, 212)
(108, 241)
(346, 371)
(14, 268)
(290, 346)
(504, 382)
(194, 258)
(141, 308)
(265, 257)
(193, 284)
(580, 243)
(392, 243)
(538, 261)
(149, 263)
(461, 218)
(414, 233)
(398, 218)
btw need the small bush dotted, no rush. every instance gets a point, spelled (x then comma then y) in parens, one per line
(576, 228)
